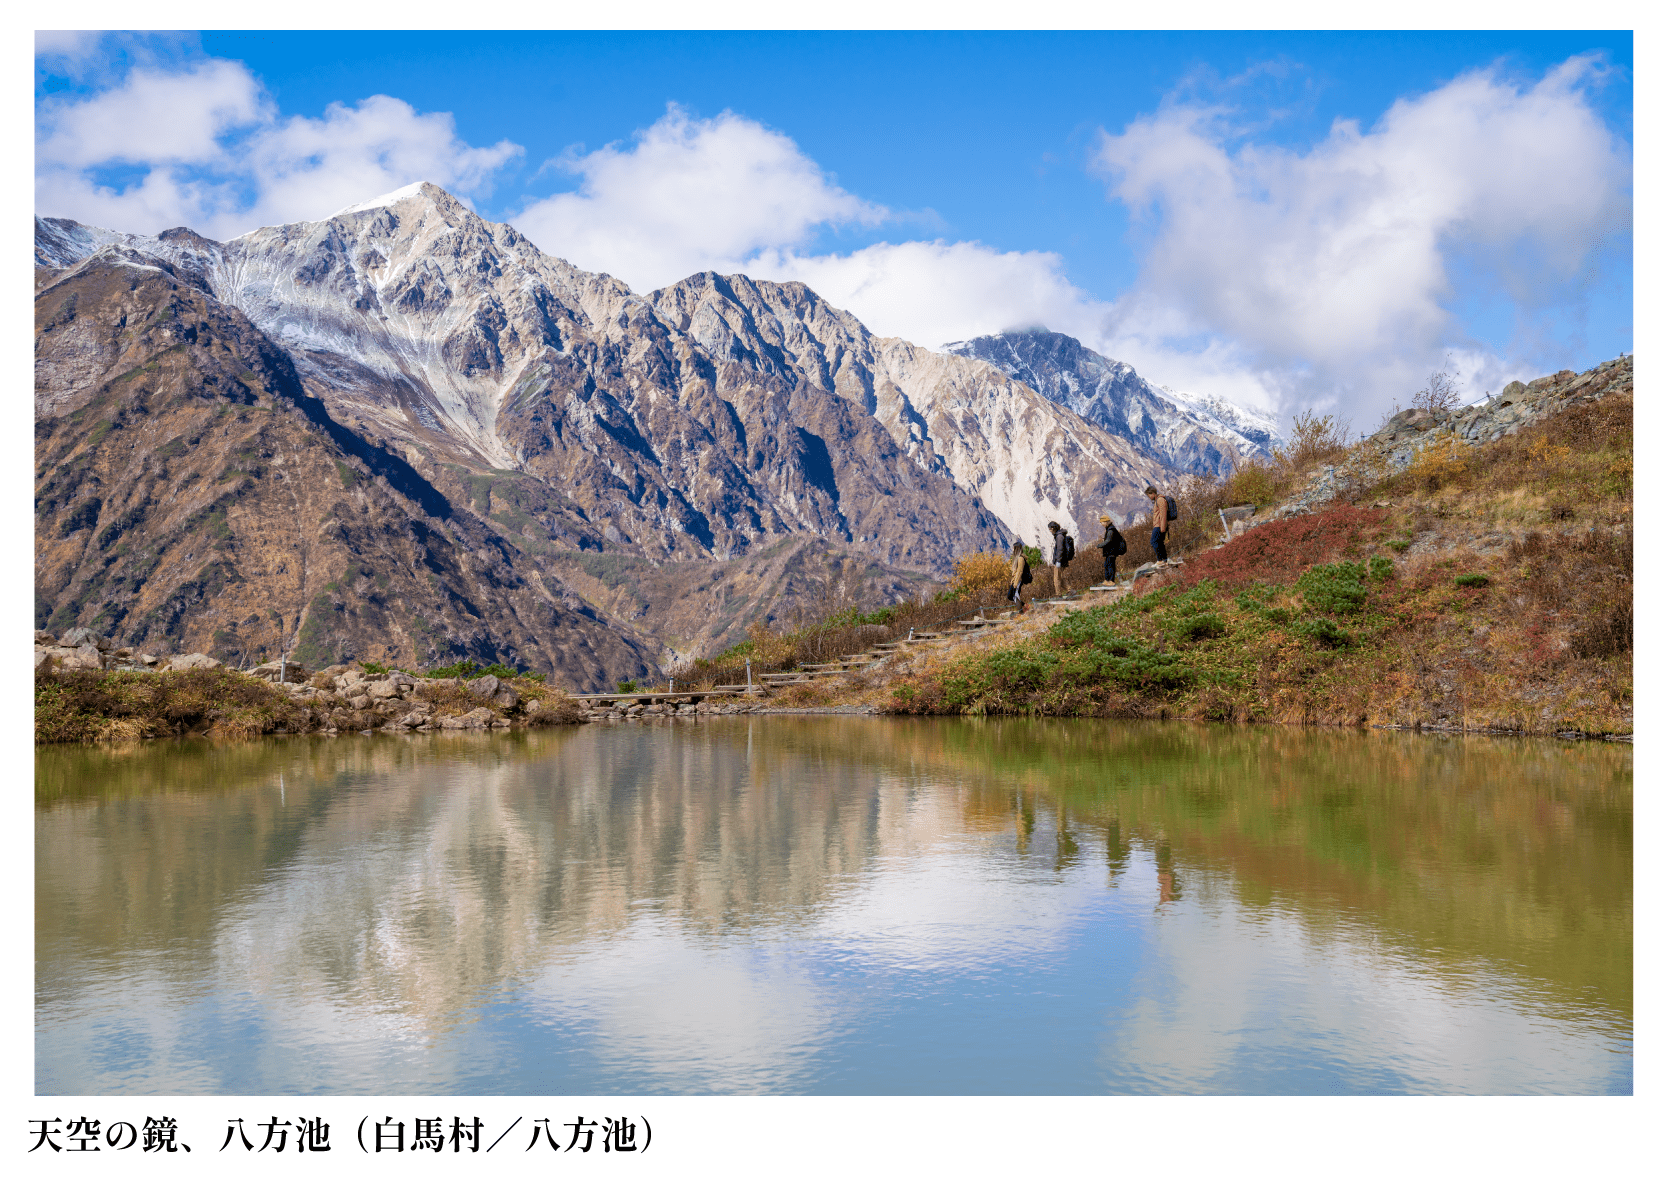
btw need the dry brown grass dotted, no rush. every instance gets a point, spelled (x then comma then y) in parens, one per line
(982, 571)
(86, 705)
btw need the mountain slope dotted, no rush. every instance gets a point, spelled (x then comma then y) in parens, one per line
(1189, 433)
(528, 415)
(1026, 459)
(189, 494)
(455, 343)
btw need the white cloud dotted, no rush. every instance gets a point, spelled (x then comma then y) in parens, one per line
(1272, 276)
(1329, 271)
(154, 117)
(934, 292)
(731, 195)
(65, 46)
(210, 151)
(354, 153)
(689, 195)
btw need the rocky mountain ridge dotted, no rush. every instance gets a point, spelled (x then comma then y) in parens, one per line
(1191, 434)
(393, 422)
(1399, 442)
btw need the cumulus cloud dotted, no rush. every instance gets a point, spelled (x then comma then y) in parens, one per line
(688, 195)
(934, 292)
(1329, 273)
(204, 145)
(1275, 276)
(731, 195)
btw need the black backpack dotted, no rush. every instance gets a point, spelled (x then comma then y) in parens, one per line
(1068, 550)
(1119, 545)
(1169, 508)
(1025, 575)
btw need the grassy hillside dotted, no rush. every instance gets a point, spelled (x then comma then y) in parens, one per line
(1486, 588)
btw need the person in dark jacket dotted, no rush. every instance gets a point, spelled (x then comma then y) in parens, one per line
(1111, 542)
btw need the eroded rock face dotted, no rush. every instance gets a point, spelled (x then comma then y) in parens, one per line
(190, 487)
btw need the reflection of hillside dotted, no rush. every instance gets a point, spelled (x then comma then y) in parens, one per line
(417, 878)
(420, 876)
(1517, 852)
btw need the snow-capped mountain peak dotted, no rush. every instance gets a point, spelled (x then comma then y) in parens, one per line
(386, 199)
(1189, 433)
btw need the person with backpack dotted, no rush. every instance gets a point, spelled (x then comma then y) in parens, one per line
(1060, 556)
(1164, 511)
(1020, 575)
(1112, 546)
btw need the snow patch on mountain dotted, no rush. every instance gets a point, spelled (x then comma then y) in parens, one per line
(1189, 434)
(386, 199)
(1257, 426)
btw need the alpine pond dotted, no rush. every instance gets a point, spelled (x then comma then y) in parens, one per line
(836, 905)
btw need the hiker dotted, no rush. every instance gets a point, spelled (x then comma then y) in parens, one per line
(1163, 513)
(1060, 556)
(1021, 574)
(1111, 545)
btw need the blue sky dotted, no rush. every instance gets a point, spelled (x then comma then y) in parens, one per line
(1194, 203)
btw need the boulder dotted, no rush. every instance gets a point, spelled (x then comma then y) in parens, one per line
(326, 677)
(85, 656)
(381, 690)
(474, 719)
(292, 672)
(45, 638)
(195, 659)
(484, 686)
(76, 636)
(506, 697)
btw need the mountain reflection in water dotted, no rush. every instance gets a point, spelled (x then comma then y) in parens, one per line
(837, 905)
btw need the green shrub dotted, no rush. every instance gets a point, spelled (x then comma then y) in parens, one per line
(1278, 615)
(625, 686)
(1324, 632)
(1197, 627)
(1381, 569)
(1334, 589)
(470, 670)
(1471, 580)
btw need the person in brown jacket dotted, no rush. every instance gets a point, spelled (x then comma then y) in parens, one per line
(1161, 523)
(1019, 574)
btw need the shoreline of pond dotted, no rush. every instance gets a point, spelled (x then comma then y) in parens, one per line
(868, 711)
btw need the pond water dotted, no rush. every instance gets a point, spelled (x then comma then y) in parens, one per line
(836, 905)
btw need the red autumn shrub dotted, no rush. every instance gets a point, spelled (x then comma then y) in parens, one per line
(1282, 549)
